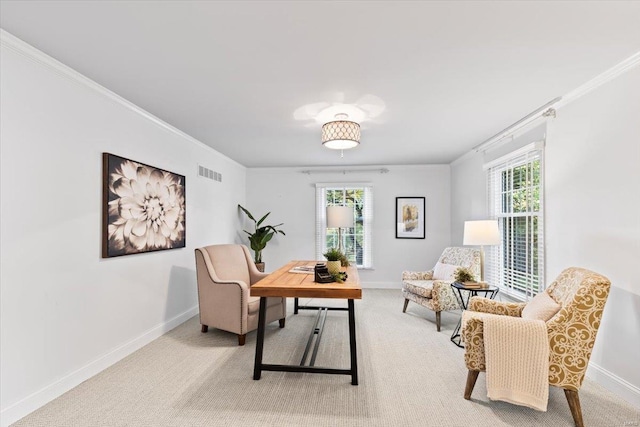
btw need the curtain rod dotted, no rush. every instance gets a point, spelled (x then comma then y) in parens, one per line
(343, 171)
(545, 110)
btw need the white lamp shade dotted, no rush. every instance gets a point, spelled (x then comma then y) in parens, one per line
(339, 216)
(480, 233)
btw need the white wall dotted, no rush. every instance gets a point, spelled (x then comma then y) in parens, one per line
(290, 196)
(469, 185)
(592, 178)
(468, 194)
(66, 313)
(592, 200)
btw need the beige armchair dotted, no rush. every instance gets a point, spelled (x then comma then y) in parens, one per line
(434, 291)
(225, 273)
(580, 296)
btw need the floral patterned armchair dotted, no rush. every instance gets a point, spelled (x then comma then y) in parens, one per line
(435, 293)
(581, 295)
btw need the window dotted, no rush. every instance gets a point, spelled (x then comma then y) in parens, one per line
(515, 192)
(357, 240)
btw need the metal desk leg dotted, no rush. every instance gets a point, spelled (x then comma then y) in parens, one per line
(295, 305)
(352, 344)
(262, 317)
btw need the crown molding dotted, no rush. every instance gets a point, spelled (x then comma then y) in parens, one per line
(463, 158)
(20, 47)
(534, 118)
(602, 78)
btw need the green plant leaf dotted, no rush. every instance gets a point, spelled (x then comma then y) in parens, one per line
(262, 219)
(259, 238)
(248, 213)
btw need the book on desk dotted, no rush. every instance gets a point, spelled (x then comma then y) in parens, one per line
(302, 269)
(476, 285)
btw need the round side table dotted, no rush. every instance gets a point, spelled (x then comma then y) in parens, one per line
(457, 287)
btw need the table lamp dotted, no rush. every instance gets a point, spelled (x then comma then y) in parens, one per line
(481, 233)
(339, 217)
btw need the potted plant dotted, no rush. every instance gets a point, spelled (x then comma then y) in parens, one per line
(335, 260)
(260, 236)
(463, 275)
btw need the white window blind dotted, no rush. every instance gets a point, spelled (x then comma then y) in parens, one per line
(515, 192)
(356, 240)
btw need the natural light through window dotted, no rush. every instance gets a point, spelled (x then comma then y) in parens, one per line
(357, 239)
(515, 187)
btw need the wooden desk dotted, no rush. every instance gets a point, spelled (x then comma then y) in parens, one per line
(282, 283)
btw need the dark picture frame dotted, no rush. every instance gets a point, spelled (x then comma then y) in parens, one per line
(143, 208)
(410, 218)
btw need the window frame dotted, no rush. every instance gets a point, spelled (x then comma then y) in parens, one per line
(518, 273)
(367, 220)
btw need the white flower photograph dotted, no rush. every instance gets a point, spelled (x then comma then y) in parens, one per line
(143, 208)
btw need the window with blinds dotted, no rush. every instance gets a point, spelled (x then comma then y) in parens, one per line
(515, 192)
(356, 240)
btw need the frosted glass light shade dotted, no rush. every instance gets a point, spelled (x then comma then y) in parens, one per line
(339, 216)
(480, 233)
(341, 135)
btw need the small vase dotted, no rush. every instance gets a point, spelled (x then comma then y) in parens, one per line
(260, 266)
(334, 266)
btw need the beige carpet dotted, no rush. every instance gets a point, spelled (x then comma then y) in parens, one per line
(410, 375)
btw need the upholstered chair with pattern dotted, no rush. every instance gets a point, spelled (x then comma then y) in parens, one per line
(225, 273)
(579, 296)
(432, 289)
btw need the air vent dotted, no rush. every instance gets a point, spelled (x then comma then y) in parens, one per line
(209, 174)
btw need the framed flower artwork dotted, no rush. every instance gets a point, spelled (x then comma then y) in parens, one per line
(143, 208)
(410, 218)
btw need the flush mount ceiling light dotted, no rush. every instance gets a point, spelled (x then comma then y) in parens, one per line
(341, 134)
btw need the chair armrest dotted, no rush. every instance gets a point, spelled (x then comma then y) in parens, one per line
(442, 296)
(256, 276)
(472, 334)
(417, 275)
(473, 331)
(486, 305)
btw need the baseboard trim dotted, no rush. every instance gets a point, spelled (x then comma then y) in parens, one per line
(614, 384)
(41, 397)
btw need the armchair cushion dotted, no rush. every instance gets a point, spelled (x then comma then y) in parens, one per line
(254, 303)
(541, 307)
(417, 275)
(444, 271)
(419, 287)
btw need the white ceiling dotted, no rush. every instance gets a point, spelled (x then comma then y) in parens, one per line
(232, 74)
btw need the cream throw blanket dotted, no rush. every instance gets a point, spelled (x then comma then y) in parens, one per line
(517, 360)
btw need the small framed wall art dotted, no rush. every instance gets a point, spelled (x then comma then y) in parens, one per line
(410, 218)
(143, 208)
